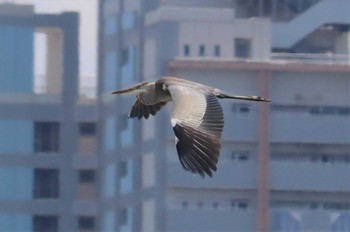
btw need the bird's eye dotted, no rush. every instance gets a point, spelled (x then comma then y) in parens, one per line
(164, 87)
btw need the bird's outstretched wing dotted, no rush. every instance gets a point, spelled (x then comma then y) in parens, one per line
(198, 121)
(140, 110)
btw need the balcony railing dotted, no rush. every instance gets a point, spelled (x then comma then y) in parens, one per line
(329, 58)
(86, 93)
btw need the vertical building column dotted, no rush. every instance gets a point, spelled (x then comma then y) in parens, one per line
(263, 191)
(69, 132)
(54, 65)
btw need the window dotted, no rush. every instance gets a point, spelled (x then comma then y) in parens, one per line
(242, 48)
(123, 168)
(243, 157)
(217, 51)
(323, 110)
(184, 204)
(128, 20)
(123, 216)
(46, 136)
(87, 129)
(87, 176)
(325, 158)
(45, 223)
(46, 183)
(343, 110)
(240, 155)
(111, 25)
(124, 56)
(86, 223)
(187, 51)
(242, 205)
(201, 50)
(87, 138)
(313, 205)
(244, 109)
(241, 108)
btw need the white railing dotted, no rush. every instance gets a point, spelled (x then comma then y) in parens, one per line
(85, 92)
(312, 58)
(329, 58)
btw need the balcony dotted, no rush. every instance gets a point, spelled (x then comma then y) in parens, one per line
(309, 220)
(29, 98)
(309, 176)
(169, 13)
(326, 58)
(210, 220)
(305, 127)
(230, 175)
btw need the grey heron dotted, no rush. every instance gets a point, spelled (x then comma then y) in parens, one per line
(197, 117)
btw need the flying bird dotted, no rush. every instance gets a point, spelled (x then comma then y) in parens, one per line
(197, 117)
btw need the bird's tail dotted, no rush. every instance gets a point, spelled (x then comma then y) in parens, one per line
(221, 94)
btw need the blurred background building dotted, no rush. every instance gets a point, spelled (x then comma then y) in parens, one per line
(48, 132)
(72, 162)
(283, 166)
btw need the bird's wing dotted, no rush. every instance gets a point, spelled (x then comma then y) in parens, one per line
(140, 110)
(198, 121)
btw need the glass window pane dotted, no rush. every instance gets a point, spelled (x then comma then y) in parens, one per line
(46, 136)
(129, 65)
(187, 51)
(111, 25)
(86, 223)
(44, 223)
(126, 182)
(87, 129)
(46, 183)
(109, 181)
(202, 50)
(242, 48)
(128, 20)
(87, 176)
(217, 50)
(109, 220)
(110, 134)
(110, 72)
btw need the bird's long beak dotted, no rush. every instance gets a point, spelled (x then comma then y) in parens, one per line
(129, 90)
(133, 90)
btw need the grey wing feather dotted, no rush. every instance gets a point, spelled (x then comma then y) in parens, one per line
(140, 110)
(197, 120)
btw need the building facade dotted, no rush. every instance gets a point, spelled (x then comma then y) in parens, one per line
(284, 166)
(48, 137)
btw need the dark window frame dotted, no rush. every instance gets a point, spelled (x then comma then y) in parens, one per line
(86, 223)
(87, 129)
(201, 51)
(46, 184)
(243, 48)
(47, 137)
(187, 50)
(217, 50)
(87, 176)
(45, 223)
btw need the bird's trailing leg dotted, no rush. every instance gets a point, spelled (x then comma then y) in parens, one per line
(220, 94)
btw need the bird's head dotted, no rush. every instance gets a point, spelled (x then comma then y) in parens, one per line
(136, 89)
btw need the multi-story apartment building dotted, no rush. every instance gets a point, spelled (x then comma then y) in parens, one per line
(284, 166)
(48, 139)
